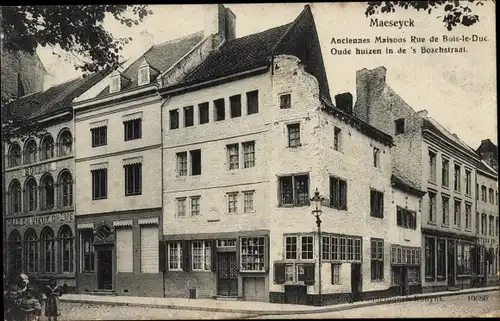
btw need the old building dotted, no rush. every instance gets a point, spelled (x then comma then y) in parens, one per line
(249, 135)
(39, 181)
(489, 153)
(438, 162)
(487, 228)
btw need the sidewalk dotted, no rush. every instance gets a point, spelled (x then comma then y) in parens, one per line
(249, 307)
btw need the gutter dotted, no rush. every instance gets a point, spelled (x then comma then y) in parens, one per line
(120, 95)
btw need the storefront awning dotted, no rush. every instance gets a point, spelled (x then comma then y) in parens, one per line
(97, 124)
(132, 161)
(85, 226)
(95, 167)
(149, 221)
(133, 116)
(123, 223)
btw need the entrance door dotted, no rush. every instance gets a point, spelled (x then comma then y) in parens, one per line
(105, 269)
(355, 281)
(227, 274)
(404, 280)
(451, 263)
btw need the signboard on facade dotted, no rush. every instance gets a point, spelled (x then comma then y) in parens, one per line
(41, 220)
(39, 169)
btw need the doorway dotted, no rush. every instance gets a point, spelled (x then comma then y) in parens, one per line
(105, 269)
(227, 274)
(356, 281)
(451, 263)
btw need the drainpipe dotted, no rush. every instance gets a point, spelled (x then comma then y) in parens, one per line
(76, 243)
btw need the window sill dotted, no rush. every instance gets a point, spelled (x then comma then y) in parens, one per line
(249, 212)
(432, 182)
(431, 222)
(440, 278)
(458, 228)
(100, 198)
(377, 280)
(376, 216)
(133, 194)
(445, 225)
(430, 279)
(468, 230)
(205, 271)
(176, 270)
(249, 271)
(445, 187)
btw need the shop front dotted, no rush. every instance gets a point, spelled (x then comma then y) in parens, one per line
(405, 266)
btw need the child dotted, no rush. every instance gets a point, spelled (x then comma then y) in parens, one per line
(53, 292)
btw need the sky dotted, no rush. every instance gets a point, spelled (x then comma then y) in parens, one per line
(457, 89)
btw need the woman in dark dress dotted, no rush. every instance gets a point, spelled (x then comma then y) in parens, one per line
(53, 292)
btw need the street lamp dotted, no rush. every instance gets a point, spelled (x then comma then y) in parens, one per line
(317, 202)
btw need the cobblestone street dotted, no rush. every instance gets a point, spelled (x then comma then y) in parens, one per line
(466, 305)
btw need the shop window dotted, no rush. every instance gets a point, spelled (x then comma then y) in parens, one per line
(48, 250)
(175, 261)
(253, 253)
(87, 250)
(66, 248)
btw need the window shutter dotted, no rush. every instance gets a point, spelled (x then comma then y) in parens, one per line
(332, 269)
(372, 202)
(238, 254)
(186, 256)
(344, 195)
(214, 255)
(398, 216)
(331, 192)
(266, 253)
(162, 262)
(309, 274)
(279, 273)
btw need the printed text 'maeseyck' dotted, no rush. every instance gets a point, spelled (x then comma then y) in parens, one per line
(392, 23)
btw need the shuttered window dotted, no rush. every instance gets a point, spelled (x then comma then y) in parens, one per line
(149, 249)
(124, 249)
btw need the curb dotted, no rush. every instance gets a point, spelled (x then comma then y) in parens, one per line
(333, 308)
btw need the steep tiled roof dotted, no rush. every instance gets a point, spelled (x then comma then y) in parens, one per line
(237, 55)
(54, 99)
(406, 185)
(483, 166)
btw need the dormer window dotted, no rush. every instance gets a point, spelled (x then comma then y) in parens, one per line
(115, 84)
(143, 75)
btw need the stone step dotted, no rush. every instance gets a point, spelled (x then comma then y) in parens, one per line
(104, 292)
(226, 298)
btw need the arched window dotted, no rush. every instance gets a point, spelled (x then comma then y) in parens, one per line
(65, 143)
(14, 155)
(31, 194)
(65, 189)
(30, 152)
(15, 196)
(48, 250)
(47, 148)
(31, 250)
(66, 246)
(15, 252)
(48, 195)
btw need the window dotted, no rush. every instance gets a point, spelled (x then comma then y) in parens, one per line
(234, 156)
(307, 248)
(406, 218)
(182, 164)
(432, 207)
(337, 139)
(430, 244)
(195, 162)
(477, 192)
(463, 259)
(457, 178)
(468, 216)
(498, 227)
(289, 273)
(252, 102)
(203, 112)
(115, 84)
(376, 204)
(188, 116)
(477, 223)
(14, 155)
(219, 109)
(66, 189)
(291, 248)
(132, 129)
(87, 250)
(294, 135)
(338, 193)
(31, 194)
(174, 256)
(235, 106)
(403, 255)
(249, 154)
(445, 210)
(441, 259)
(31, 250)
(48, 194)
(15, 251)
(47, 148)
(174, 119)
(468, 183)
(48, 250)
(285, 101)
(133, 179)
(491, 226)
(294, 190)
(413, 275)
(253, 251)
(201, 256)
(484, 197)
(343, 248)
(195, 205)
(491, 194)
(181, 206)
(325, 248)
(377, 259)
(99, 136)
(376, 157)
(99, 184)
(65, 143)
(399, 125)
(66, 248)
(445, 173)
(30, 152)
(248, 201)
(232, 202)
(497, 198)
(143, 75)
(457, 217)
(336, 273)
(432, 167)
(15, 197)
(483, 224)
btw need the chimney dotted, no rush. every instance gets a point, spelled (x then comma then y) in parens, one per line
(220, 22)
(344, 102)
(455, 135)
(423, 113)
